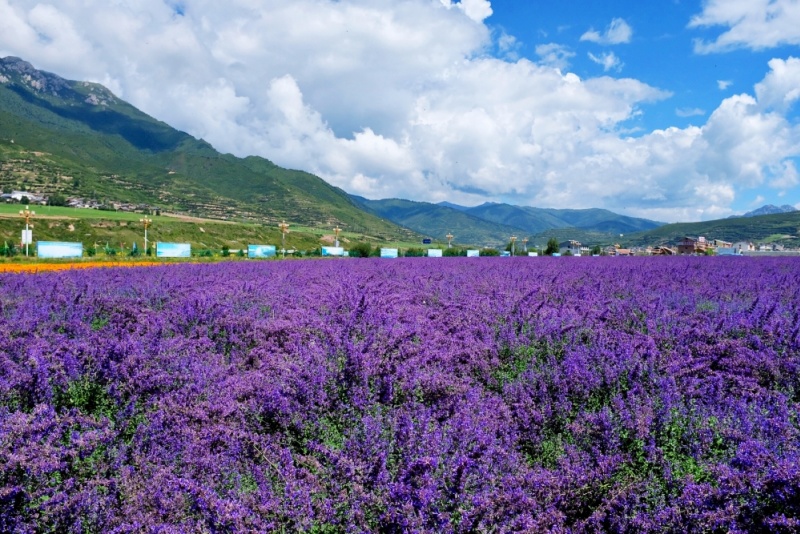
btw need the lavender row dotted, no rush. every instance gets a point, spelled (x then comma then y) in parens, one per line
(317, 396)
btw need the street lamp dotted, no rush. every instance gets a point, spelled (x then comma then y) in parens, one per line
(525, 244)
(27, 238)
(284, 228)
(146, 221)
(336, 233)
(449, 237)
(513, 241)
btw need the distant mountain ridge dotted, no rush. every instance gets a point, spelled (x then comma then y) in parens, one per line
(494, 223)
(768, 209)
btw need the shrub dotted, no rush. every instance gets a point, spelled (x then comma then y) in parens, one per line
(361, 250)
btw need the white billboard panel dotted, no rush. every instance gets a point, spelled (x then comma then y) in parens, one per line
(333, 251)
(57, 249)
(173, 250)
(261, 251)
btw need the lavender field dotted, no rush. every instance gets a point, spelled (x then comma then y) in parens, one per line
(413, 395)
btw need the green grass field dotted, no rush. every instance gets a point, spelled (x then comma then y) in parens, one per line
(100, 230)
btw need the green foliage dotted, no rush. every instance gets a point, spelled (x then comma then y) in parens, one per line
(226, 251)
(489, 252)
(361, 250)
(8, 250)
(415, 253)
(453, 252)
(56, 199)
(552, 246)
(88, 396)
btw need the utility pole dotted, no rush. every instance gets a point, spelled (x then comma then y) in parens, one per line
(284, 228)
(336, 233)
(27, 237)
(146, 221)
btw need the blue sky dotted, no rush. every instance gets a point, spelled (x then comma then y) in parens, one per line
(671, 110)
(660, 51)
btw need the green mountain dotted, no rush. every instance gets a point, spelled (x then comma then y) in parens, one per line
(77, 139)
(537, 220)
(781, 227)
(493, 223)
(436, 221)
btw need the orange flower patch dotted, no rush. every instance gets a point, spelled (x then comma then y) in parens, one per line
(41, 267)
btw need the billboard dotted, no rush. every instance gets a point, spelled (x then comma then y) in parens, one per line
(57, 249)
(173, 250)
(473, 253)
(388, 253)
(505, 254)
(434, 253)
(333, 251)
(533, 254)
(426, 241)
(261, 251)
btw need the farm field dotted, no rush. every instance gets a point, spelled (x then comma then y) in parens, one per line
(409, 395)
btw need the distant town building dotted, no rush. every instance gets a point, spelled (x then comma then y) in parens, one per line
(571, 246)
(17, 196)
(692, 245)
(664, 251)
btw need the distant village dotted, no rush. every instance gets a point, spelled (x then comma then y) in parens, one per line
(688, 246)
(26, 197)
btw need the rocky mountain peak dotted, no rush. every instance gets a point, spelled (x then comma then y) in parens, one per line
(14, 70)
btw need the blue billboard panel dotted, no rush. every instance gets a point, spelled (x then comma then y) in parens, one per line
(261, 251)
(173, 250)
(333, 251)
(389, 253)
(473, 253)
(57, 249)
(505, 254)
(434, 253)
(426, 241)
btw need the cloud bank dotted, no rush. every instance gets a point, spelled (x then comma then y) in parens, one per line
(755, 24)
(404, 98)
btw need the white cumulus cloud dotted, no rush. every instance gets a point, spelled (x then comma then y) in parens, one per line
(608, 60)
(617, 32)
(402, 98)
(554, 55)
(755, 24)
